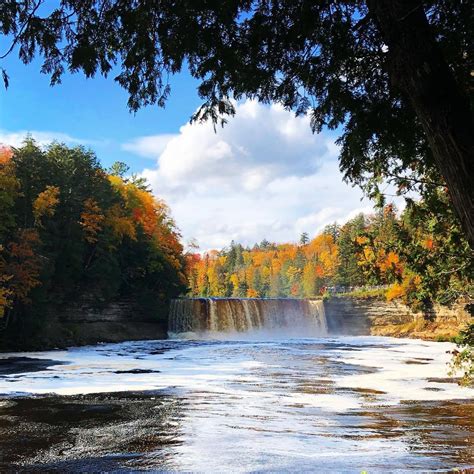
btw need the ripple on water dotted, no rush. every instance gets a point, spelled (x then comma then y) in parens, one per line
(299, 405)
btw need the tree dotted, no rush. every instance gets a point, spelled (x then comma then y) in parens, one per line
(304, 238)
(70, 232)
(348, 271)
(420, 255)
(309, 280)
(392, 75)
(119, 168)
(8, 192)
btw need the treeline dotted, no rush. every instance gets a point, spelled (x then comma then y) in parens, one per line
(72, 231)
(420, 256)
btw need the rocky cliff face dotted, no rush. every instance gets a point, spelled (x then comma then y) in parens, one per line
(356, 316)
(81, 324)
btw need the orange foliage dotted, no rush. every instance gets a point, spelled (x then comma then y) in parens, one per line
(271, 270)
(121, 224)
(5, 155)
(251, 293)
(428, 244)
(410, 284)
(395, 291)
(91, 220)
(24, 264)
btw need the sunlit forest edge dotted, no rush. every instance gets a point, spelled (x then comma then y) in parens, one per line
(73, 232)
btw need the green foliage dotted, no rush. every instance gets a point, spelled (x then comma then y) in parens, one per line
(119, 168)
(304, 238)
(463, 357)
(364, 293)
(327, 59)
(419, 257)
(92, 237)
(433, 245)
(349, 273)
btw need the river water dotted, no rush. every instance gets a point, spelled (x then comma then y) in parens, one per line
(338, 404)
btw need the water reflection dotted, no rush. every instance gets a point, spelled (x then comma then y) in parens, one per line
(88, 433)
(340, 404)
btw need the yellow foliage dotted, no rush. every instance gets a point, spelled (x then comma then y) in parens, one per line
(395, 291)
(266, 272)
(368, 254)
(121, 225)
(410, 284)
(247, 256)
(91, 220)
(234, 279)
(45, 203)
(292, 272)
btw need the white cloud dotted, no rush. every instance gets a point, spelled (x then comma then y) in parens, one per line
(264, 175)
(43, 138)
(150, 146)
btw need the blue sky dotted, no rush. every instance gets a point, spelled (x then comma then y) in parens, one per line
(90, 109)
(265, 175)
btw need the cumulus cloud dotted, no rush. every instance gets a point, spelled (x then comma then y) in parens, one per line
(264, 175)
(43, 138)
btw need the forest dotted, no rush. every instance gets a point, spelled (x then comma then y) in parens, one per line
(73, 231)
(418, 256)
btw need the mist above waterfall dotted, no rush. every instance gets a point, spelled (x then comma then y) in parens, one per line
(248, 317)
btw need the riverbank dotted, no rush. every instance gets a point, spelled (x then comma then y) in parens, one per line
(124, 321)
(81, 325)
(377, 317)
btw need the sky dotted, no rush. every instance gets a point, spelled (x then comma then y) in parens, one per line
(263, 176)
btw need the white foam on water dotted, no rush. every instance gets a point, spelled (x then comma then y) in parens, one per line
(278, 405)
(337, 403)
(403, 370)
(212, 366)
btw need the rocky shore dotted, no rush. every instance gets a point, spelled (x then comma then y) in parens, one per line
(378, 317)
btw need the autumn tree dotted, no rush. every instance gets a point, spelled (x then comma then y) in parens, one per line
(70, 232)
(392, 76)
(418, 256)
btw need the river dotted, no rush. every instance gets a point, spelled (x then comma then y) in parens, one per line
(339, 404)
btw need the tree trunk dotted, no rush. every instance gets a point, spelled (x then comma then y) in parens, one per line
(418, 70)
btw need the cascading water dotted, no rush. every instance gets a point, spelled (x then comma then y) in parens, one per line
(288, 317)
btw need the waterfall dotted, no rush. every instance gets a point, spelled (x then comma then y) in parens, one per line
(288, 317)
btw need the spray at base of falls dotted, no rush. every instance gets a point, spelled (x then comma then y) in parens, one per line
(289, 317)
